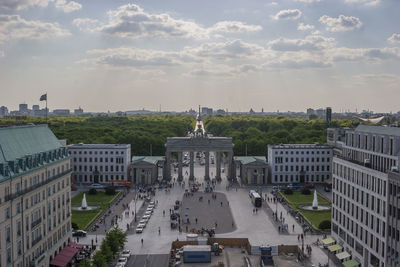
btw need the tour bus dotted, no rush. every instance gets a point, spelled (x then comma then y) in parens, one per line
(256, 199)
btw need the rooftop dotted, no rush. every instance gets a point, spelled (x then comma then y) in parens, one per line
(148, 159)
(20, 141)
(299, 146)
(251, 159)
(98, 146)
(378, 130)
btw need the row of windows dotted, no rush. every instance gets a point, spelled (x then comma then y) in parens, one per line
(95, 152)
(280, 160)
(117, 160)
(377, 144)
(360, 178)
(102, 178)
(85, 168)
(303, 168)
(303, 152)
(296, 178)
(359, 196)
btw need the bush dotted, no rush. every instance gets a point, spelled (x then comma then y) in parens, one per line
(74, 226)
(288, 191)
(306, 191)
(325, 225)
(92, 191)
(110, 190)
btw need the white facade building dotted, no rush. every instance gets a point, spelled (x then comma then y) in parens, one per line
(99, 163)
(360, 193)
(303, 163)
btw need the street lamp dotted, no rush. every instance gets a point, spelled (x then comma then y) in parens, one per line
(135, 200)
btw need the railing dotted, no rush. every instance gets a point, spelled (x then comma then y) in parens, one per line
(35, 241)
(27, 190)
(35, 223)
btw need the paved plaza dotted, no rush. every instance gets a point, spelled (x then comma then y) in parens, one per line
(260, 228)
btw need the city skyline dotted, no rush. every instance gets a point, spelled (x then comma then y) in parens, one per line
(119, 55)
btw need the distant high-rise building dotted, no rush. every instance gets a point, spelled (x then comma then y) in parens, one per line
(220, 112)
(35, 107)
(328, 115)
(206, 111)
(61, 112)
(310, 111)
(78, 111)
(23, 108)
(320, 112)
(3, 111)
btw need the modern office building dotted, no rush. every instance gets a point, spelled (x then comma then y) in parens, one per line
(35, 221)
(61, 112)
(304, 163)
(363, 198)
(393, 231)
(99, 163)
(3, 111)
(78, 111)
(328, 116)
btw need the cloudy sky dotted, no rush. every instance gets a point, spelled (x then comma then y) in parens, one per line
(231, 54)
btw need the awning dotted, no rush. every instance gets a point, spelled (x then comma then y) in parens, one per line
(334, 248)
(64, 257)
(328, 241)
(75, 245)
(343, 255)
(351, 263)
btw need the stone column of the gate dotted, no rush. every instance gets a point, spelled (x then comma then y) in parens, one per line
(218, 163)
(207, 158)
(180, 176)
(231, 167)
(167, 173)
(191, 175)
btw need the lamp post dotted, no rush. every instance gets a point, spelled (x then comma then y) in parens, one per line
(135, 200)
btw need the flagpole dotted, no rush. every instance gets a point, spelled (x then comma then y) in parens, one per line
(46, 109)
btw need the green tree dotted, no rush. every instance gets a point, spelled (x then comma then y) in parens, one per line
(106, 252)
(99, 260)
(85, 263)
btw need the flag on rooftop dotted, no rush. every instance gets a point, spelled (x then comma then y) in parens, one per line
(43, 97)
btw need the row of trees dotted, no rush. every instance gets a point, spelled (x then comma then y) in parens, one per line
(147, 134)
(255, 133)
(111, 245)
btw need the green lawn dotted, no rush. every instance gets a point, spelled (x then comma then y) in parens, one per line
(83, 218)
(298, 199)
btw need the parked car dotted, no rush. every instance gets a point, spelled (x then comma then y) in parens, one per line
(126, 253)
(142, 224)
(79, 233)
(139, 230)
(251, 192)
(122, 261)
(97, 186)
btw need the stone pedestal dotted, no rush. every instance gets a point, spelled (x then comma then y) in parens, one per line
(218, 165)
(180, 175)
(191, 175)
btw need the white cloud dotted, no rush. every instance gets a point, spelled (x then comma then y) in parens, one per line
(305, 27)
(364, 2)
(310, 43)
(395, 38)
(132, 21)
(342, 23)
(234, 27)
(68, 7)
(288, 14)
(272, 4)
(15, 27)
(86, 24)
(22, 4)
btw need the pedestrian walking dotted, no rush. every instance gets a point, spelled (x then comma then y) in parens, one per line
(221, 203)
(142, 241)
(298, 238)
(293, 227)
(279, 228)
(196, 220)
(159, 230)
(216, 224)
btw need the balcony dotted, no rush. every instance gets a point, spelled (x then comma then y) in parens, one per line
(27, 190)
(35, 223)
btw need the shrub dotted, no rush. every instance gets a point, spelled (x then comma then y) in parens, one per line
(74, 226)
(306, 191)
(288, 191)
(325, 225)
(92, 191)
(110, 190)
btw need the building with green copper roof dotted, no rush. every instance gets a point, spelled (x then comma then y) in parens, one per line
(35, 210)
